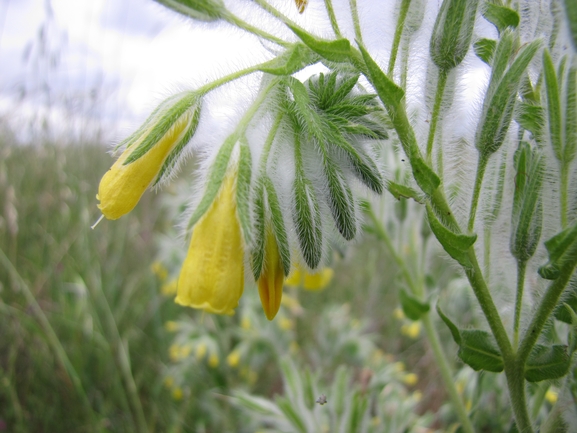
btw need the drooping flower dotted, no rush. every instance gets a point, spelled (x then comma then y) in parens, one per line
(212, 275)
(271, 279)
(153, 149)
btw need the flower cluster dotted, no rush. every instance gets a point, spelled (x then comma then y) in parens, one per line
(277, 212)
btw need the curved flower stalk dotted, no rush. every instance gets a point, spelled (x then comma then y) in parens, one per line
(212, 275)
(150, 154)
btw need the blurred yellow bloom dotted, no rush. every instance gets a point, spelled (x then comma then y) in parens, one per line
(285, 324)
(375, 421)
(159, 270)
(122, 186)
(169, 288)
(213, 360)
(294, 347)
(399, 367)
(292, 304)
(551, 396)
(398, 313)
(212, 276)
(174, 352)
(271, 279)
(233, 358)
(200, 351)
(410, 379)
(168, 381)
(171, 326)
(177, 394)
(411, 330)
(185, 351)
(468, 405)
(300, 277)
(245, 322)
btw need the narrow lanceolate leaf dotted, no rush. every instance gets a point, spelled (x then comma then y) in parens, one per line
(341, 201)
(243, 190)
(388, 91)
(485, 49)
(304, 112)
(278, 226)
(547, 363)
(292, 414)
(570, 116)
(479, 351)
(501, 16)
(257, 253)
(499, 105)
(527, 217)
(256, 404)
(202, 10)
(531, 117)
(215, 178)
(452, 327)
(171, 160)
(553, 105)
(307, 220)
(425, 177)
(337, 50)
(561, 247)
(455, 244)
(295, 58)
(571, 15)
(412, 307)
(452, 33)
(359, 408)
(402, 191)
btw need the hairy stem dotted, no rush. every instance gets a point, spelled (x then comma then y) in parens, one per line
(356, 21)
(238, 22)
(521, 268)
(481, 166)
(398, 33)
(564, 186)
(514, 372)
(441, 83)
(333, 18)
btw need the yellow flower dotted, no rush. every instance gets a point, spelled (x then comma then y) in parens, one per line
(398, 313)
(169, 288)
(174, 352)
(200, 351)
(212, 276)
(411, 330)
(285, 324)
(309, 281)
(177, 394)
(159, 270)
(410, 379)
(122, 186)
(399, 366)
(271, 279)
(171, 326)
(551, 396)
(213, 360)
(233, 358)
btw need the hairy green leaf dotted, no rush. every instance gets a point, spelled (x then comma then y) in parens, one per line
(412, 307)
(531, 117)
(338, 50)
(452, 327)
(388, 91)
(547, 363)
(561, 247)
(501, 16)
(479, 351)
(293, 59)
(243, 190)
(307, 220)
(278, 226)
(341, 201)
(402, 191)
(553, 105)
(258, 249)
(485, 49)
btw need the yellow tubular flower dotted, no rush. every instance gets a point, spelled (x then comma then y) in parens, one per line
(122, 186)
(212, 275)
(271, 279)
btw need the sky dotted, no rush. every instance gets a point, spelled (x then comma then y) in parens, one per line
(98, 64)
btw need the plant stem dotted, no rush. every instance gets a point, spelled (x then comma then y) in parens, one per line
(547, 305)
(441, 83)
(398, 33)
(333, 18)
(538, 399)
(446, 375)
(521, 268)
(564, 186)
(208, 87)
(430, 330)
(481, 166)
(356, 21)
(514, 372)
(238, 22)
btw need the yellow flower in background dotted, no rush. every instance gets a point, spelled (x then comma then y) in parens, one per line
(171, 326)
(245, 323)
(233, 358)
(300, 277)
(212, 275)
(169, 288)
(286, 324)
(200, 351)
(213, 360)
(410, 379)
(271, 278)
(411, 330)
(398, 313)
(159, 270)
(177, 394)
(551, 396)
(122, 186)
